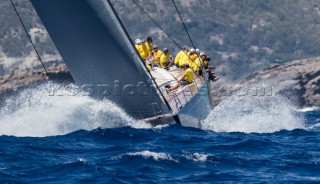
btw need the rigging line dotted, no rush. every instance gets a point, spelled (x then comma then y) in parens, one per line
(145, 67)
(202, 67)
(185, 27)
(25, 29)
(155, 22)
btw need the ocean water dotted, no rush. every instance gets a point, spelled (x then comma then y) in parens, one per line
(75, 139)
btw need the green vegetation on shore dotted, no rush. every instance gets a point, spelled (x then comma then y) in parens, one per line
(241, 36)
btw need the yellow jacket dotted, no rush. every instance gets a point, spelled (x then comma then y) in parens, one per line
(149, 47)
(184, 59)
(178, 57)
(164, 60)
(157, 56)
(189, 75)
(197, 64)
(149, 68)
(142, 50)
(191, 59)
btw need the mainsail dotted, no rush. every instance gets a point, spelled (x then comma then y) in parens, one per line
(99, 54)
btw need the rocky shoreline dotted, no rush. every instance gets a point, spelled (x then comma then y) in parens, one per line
(297, 80)
(17, 79)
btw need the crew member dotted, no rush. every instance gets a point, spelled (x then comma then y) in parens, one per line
(185, 58)
(186, 79)
(211, 75)
(149, 44)
(166, 59)
(180, 55)
(156, 55)
(142, 49)
(198, 63)
(192, 57)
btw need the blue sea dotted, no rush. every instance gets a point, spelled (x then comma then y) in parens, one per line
(62, 138)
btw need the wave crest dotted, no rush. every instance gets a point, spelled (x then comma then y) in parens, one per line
(36, 113)
(254, 114)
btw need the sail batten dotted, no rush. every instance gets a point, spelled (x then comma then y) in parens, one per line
(99, 54)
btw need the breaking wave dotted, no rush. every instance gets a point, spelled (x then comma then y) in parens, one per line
(35, 112)
(254, 114)
(197, 157)
(153, 155)
(159, 156)
(309, 109)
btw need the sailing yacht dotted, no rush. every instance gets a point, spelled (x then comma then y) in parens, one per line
(97, 49)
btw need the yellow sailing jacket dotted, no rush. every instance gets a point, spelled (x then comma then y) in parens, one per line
(189, 75)
(197, 64)
(142, 50)
(164, 59)
(178, 57)
(149, 47)
(191, 59)
(156, 56)
(184, 59)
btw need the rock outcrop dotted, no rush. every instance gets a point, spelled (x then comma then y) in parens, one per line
(297, 80)
(17, 79)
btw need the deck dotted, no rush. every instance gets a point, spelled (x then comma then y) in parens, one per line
(178, 98)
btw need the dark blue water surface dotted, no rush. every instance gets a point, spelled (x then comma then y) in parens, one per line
(161, 155)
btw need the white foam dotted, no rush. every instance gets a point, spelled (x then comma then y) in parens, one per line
(154, 155)
(309, 109)
(253, 114)
(37, 114)
(148, 154)
(81, 160)
(197, 157)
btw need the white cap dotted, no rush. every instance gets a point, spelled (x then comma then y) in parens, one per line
(192, 50)
(198, 50)
(137, 41)
(202, 54)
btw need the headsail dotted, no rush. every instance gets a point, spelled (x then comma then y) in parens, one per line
(99, 54)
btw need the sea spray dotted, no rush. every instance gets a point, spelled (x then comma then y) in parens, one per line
(254, 113)
(36, 112)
